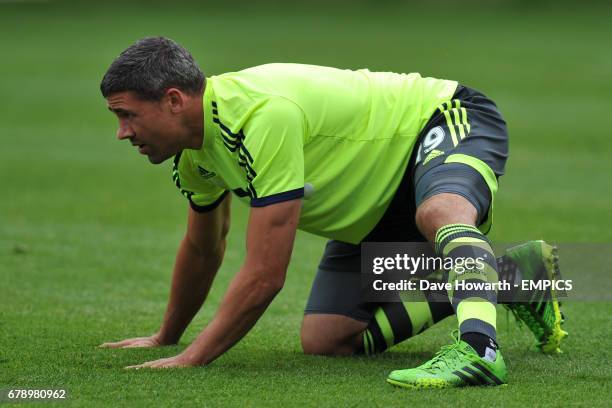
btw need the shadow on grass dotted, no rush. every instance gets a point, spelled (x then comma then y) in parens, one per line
(277, 361)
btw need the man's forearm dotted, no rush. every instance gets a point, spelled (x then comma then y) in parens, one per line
(192, 278)
(245, 301)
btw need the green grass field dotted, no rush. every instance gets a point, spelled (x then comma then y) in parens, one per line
(88, 229)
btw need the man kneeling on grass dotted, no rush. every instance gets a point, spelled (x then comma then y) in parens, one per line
(354, 156)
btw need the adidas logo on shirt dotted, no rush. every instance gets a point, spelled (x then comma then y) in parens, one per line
(205, 173)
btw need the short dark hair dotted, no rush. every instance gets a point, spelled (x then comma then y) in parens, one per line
(150, 67)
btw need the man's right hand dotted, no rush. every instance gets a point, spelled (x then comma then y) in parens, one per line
(150, 341)
(199, 257)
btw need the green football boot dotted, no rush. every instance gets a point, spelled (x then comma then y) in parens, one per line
(541, 312)
(455, 365)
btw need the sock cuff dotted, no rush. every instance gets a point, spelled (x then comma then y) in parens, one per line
(449, 232)
(478, 326)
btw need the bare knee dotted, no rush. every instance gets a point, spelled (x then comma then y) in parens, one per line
(443, 209)
(315, 345)
(330, 335)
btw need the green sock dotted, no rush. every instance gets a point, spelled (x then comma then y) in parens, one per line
(395, 322)
(474, 305)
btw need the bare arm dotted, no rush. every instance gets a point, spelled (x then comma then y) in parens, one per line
(197, 262)
(270, 237)
(199, 257)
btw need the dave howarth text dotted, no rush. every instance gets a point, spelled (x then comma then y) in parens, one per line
(404, 284)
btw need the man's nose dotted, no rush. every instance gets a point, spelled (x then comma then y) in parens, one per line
(124, 131)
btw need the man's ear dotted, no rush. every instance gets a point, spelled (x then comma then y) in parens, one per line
(176, 100)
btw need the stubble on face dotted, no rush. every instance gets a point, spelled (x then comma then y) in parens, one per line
(146, 124)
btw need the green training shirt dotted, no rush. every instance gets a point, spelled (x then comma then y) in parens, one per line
(340, 139)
